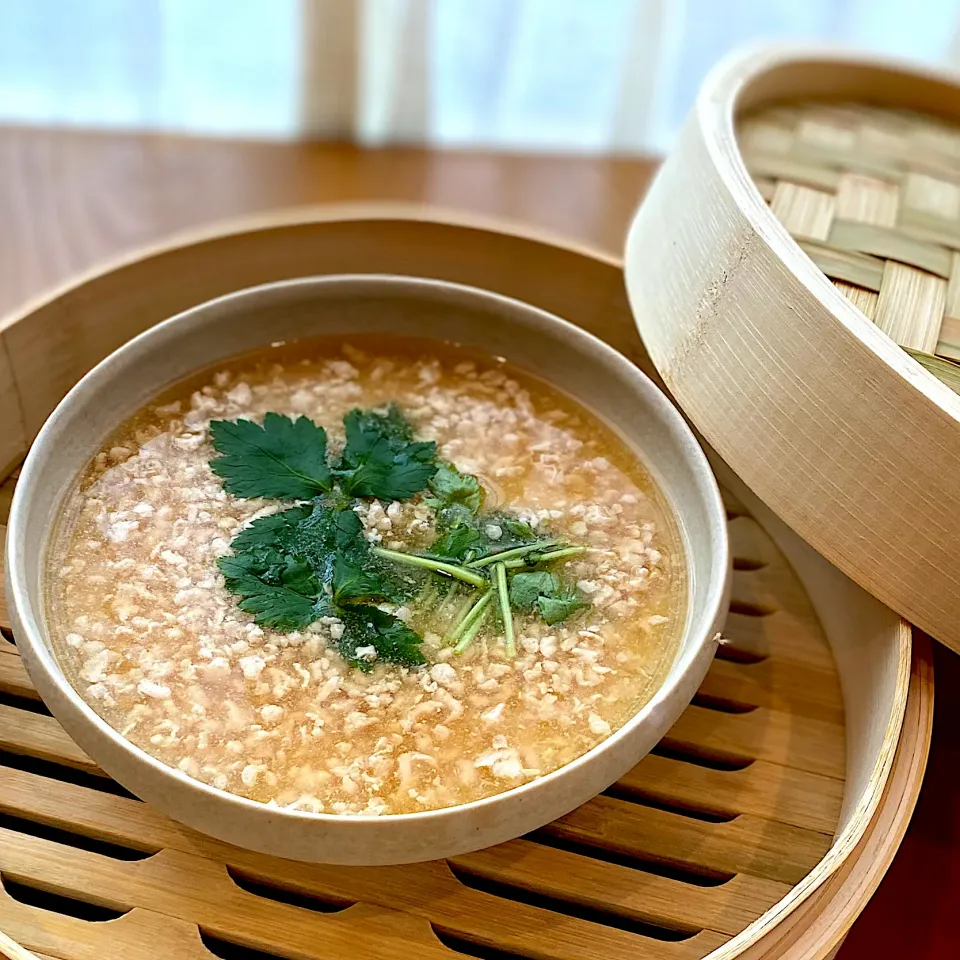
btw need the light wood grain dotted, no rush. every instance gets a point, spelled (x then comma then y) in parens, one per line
(587, 289)
(573, 877)
(133, 936)
(910, 306)
(762, 788)
(838, 264)
(12, 433)
(760, 848)
(35, 735)
(816, 928)
(4, 615)
(13, 951)
(938, 198)
(804, 212)
(775, 167)
(776, 833)
(890, 245)
(818, 411)
(194, 889)
(13, 676)
(72, 199)
(429, 890)
(6, 492)
(867, 200)
(864, 300)
(764, 734)
(751, 635)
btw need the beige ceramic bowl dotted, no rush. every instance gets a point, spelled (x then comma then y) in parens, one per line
(537, 341)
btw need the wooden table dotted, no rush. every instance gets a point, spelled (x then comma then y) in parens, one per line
(69, 200)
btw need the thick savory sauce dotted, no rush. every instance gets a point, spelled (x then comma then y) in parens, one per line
(158, 645)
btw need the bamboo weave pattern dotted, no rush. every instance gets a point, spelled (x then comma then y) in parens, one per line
(873, 197)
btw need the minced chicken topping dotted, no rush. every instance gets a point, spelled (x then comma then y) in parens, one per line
(158, 646)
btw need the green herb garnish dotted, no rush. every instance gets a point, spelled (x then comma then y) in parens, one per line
(286, 459)
(436, 566)
(283, 459)
(527, 588)
(455, 491)
(563, 605)
(381, 459)
(283, 599)
(313, 559)
(545, 592)
(503, 591)
(460, 543)
(392, 639)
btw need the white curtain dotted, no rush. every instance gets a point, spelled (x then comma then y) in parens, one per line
(558, 75)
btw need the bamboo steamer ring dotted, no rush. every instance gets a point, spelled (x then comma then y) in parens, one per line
(836, 428)
(75, 326)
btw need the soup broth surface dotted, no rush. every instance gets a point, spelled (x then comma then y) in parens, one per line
(155, 642)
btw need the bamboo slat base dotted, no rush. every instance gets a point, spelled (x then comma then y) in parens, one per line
(737, 804)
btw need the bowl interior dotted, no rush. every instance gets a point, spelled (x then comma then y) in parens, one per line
(540, 343)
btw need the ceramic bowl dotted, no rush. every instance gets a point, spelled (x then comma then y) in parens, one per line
(542, 344)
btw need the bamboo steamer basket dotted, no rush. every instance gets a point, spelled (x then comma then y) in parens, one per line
(758, 829)
(798, 382)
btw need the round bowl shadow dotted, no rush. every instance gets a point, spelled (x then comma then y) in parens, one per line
(542, 344)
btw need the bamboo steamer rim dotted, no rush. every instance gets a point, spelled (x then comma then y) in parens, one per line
(728, 85)
(305, 215)
(876, 826)
(760, 252)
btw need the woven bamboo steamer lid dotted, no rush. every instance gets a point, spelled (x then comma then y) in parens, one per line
(795, 380)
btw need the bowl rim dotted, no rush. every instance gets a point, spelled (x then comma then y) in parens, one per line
(29, 619)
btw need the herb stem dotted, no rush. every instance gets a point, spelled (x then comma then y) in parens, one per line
(437, 566)
(565, 552)
(471, 616)
(513, 554)
(430, 595)
(464, 609)
(449, 597)
(474, 627)
(500, 579)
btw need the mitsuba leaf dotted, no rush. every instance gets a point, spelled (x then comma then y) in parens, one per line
(333, 541)
(266, 547)
(450, 489)
(459, 544)
(380, 458)
(513, 532)
(282, 459)
(352, 582)
(527, 588)
(313, 559)
(299, 577)
(561, 606)
(393, 640)
(279, 531)
(280, 610)
(544, 592)
(289, 604)
(363, 425)
(326, 533)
